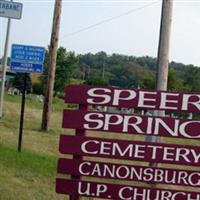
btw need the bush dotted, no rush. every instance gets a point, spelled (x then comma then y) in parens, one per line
(96, 81)
(38, 88)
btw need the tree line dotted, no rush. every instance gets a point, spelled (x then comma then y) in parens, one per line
(116, 69)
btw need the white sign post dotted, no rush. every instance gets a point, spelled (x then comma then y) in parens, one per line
(8, 9)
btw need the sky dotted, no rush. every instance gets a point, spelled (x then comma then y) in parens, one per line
(135, 32)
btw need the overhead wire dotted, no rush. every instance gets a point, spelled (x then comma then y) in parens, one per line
(107, 20)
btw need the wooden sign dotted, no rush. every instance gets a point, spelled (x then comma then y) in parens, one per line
(130, 150)
(128, 98)
(129, 172)
(134, 124)
(123, 192)
(80, 145)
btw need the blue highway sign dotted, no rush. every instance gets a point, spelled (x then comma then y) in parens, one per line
(27, 59)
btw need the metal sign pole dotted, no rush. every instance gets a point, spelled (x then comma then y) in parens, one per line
(4, 67)
(22, 113)
(7, 12)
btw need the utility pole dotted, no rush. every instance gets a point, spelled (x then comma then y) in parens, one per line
(4, 67)
(163, 57)
(47, 109)
(163, 54)
(163, 49)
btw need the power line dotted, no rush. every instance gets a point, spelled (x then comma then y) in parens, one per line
(107, 20)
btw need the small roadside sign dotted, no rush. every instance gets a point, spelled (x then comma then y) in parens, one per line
(27, 59)
(10, 9)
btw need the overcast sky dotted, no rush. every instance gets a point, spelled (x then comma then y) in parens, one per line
(136, 33)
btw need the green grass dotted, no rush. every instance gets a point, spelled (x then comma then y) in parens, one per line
(31, 102)
(40, 165)
(26, 175)
(30, 174)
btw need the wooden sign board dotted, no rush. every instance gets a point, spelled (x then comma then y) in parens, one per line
(113, 191)
(130, 150)
(128, 98)
(129, 172)
(134, 124)
(79, 145)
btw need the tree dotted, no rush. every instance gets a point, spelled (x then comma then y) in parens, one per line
(174, 82)
(131, 71)
(66, 63)
(37, 88)
(96, 81)
(192, 79)
(147, 61)
(148, 83)
(65, 66)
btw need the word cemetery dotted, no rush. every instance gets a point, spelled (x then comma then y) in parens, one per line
(80, 145)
